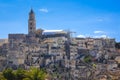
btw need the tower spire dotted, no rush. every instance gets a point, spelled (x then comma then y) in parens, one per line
(31, 23)
(31, 11)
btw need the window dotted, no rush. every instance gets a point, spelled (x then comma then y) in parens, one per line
(30, 23)
(31, 28)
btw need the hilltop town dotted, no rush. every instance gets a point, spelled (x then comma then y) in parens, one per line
(69, 58)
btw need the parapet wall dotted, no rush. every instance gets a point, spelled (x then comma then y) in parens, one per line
(16, 36)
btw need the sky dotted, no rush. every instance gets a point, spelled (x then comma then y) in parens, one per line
(87, 18)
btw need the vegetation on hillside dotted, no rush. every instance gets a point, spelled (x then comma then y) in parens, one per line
(88, 59)
(20, 74)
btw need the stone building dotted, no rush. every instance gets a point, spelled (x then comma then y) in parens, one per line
(3, 41)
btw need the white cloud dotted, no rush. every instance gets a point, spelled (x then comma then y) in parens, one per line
(99, 32)
(104, 36)
(101, 36)
(81, 36)
(98, 36)
(45, 10)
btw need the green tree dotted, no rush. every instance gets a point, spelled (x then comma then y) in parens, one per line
(19, 74)
(8, 74)
(2, 77)
(87, 59)
(35, 74)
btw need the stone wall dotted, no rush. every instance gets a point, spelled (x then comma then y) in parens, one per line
(3, 41)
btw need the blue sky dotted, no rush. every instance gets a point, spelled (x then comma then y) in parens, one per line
(91, 18)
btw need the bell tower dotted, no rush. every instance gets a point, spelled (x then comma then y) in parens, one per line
(31, 23)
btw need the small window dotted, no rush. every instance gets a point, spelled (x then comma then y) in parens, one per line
(30, 27)
(30, 23)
